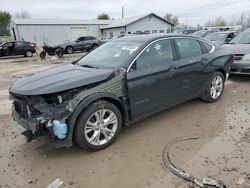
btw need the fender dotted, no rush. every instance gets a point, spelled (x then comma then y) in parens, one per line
(114, 90)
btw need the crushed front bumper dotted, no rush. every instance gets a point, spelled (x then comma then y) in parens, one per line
(33, 126)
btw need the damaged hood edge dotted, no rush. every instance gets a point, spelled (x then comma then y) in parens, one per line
(58, 79)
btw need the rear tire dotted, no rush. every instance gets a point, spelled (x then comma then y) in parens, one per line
(214, 88)
(98, 126)
(69, 50)
(94, 46)
(28, 53)
(59, 52)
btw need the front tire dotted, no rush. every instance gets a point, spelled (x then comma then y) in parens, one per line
(214, 88)
(98, 126)
(70, 50)
(42, 54)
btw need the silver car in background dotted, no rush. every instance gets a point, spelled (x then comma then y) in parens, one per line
(87, 43)
(221, 37)
(240, 46)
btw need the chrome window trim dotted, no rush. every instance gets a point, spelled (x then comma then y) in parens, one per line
(169, 38)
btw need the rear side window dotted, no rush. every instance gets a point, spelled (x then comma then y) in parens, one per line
(89, 38)
(81, 39)
(188, 47)
(19, 44)
(207, 47)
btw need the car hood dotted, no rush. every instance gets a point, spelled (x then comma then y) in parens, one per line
(238, 48)
(58, 79)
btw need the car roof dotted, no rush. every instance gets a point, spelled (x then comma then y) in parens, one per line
(223, 32)
(151, 37)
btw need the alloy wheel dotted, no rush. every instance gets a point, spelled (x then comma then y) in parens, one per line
(28, 53)
(101, 127)
(216, 87)
(69, 50)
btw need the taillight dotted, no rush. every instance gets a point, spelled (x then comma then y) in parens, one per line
(31, 45)
(233, 56)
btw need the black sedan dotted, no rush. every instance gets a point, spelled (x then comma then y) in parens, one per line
(89, 101)
(240, 46)
(18, 48)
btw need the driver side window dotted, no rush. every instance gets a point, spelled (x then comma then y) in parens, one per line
(159, 53)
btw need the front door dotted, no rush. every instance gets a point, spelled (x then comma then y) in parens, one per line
(152, 79)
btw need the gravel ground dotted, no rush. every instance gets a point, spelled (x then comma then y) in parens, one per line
(134, 160)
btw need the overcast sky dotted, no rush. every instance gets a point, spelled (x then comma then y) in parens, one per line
(189, 11)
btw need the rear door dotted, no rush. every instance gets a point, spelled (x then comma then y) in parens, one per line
(192, 61)
(89, 42)
(20, 47)
(152, 81)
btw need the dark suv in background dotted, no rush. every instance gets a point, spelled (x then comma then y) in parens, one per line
(87, 43)
(17, 48)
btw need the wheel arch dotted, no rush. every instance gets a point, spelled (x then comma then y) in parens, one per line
(223, 72)
(69, 46)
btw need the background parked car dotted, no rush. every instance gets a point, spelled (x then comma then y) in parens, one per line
(18, 48)
(189, 31)
(221, 37)
(240, 46)
(82, 43)
(203, 33)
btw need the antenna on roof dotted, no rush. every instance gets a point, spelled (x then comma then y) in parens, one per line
(122, 12)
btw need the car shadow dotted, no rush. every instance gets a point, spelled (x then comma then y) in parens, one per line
(239, 78)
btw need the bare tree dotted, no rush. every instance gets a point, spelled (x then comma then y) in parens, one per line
(172, 19)
(220, 22)
(23, 14)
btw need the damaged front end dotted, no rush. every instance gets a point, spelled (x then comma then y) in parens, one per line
(42, 115)
(55, 114)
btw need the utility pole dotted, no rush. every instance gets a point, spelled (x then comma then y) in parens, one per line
(122, 12)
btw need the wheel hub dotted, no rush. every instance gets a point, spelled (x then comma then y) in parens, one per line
(216, 87)
(101, 127)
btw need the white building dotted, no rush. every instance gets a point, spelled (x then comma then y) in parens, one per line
(149, 23)
(56, 31)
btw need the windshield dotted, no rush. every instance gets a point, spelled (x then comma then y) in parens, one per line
(110, 55)
(242, 38)
(200, 33)
(216, 36)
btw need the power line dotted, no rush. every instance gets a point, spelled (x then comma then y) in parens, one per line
(194, 11)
